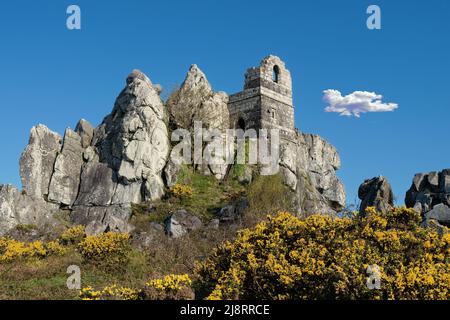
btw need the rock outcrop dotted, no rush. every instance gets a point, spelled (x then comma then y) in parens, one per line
(376, 192)
(133, 141)
(95, 174)
(17, 208)
(430, 195)
(428, 190)
(308, 164)
(195, 100)
(125, 162)
(65, 181)
(85, 131)
(37, 161)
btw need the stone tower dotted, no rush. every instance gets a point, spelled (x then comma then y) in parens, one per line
(266, 101)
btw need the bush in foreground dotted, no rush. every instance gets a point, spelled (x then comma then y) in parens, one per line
(169, 287)
(110, 248)
(321, 257)
(11, 250)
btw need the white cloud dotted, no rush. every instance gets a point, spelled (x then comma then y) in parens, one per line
(355, 103)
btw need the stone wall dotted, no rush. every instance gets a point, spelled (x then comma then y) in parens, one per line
(265, 103)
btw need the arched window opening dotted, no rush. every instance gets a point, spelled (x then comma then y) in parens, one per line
(276, 74)
(241, 124)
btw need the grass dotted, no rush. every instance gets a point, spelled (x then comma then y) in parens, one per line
(208, 197)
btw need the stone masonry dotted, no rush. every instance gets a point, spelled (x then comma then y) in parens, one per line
(266, 101)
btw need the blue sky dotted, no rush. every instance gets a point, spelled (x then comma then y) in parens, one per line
(54, 76)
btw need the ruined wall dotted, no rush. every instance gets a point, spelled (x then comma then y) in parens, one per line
(265, 102)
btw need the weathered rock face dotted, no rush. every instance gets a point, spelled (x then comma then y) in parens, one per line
(125, 162)
(196, 101)
(428, 190)
(376, 192)
(97, 173)
(308, 164)
(133, 141)
(430, 195)
(86, 132)
(18, 208)
(37, 161)
(172, 169)
(323, 163)
(100, 219)
(65, 180)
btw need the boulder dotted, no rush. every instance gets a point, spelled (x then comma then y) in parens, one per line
(440, 213)
(37, 161)
(233, 212)
(376, 192)
(436, 226)
(429, 195)
(213, 224)
(180, 223)
(146, 239)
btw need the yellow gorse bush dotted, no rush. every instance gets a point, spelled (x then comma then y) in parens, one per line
(169, 287)
(112, 292)
(73, 235)
(109, 247)
(11, 249)
(170, 282)
(322, 257)
(181, 190)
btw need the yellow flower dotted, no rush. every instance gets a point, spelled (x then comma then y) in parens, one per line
(321, 257)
